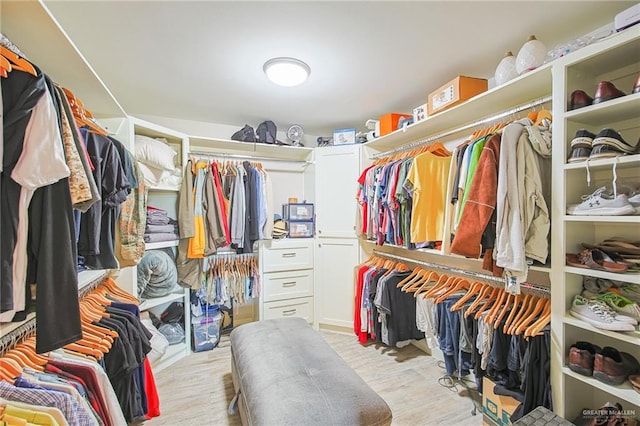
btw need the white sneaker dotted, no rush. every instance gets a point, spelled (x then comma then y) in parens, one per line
(601, 203)
(598, 315)
(635, 202)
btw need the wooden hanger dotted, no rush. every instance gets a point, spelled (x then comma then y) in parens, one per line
(82, 116)
(510, 302)
(524, 307)
(443, 282)
(474, 289)
(491, 300)
(22, 359)
(484, 292)
(458, 284)
(11, 61)
(530, 319)
(423, 283)
(512, 313)
(9, 369)
(543, 114)
(535, 329)
(493, 312)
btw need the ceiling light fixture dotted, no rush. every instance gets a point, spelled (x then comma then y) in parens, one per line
(286, 72)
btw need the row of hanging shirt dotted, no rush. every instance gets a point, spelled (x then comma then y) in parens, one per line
(62, 181)
(224, 206)
(499, 181)
(477, 326)
(103, 379)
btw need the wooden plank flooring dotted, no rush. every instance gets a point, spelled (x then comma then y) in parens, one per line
(197, 389)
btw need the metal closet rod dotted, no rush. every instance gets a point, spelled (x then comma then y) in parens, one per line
(245, 157)
(463, 128)
(459, 271)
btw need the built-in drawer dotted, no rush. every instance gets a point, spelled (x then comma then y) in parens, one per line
(302, 308)
(287, 256)
(287, 285)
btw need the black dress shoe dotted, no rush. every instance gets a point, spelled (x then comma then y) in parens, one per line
(579, 99)
(606, 91)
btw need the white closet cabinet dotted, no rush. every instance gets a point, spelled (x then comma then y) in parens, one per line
(337, 251)
(166, 198)
(616, 60)
(286, 273)
(337, 170)
(336, 259)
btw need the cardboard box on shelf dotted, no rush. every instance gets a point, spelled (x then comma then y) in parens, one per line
(389, 122)
(455, 92)
(496, 409)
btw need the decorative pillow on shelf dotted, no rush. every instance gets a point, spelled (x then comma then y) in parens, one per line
(155, 153)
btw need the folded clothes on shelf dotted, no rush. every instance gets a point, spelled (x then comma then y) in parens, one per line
(161, 236)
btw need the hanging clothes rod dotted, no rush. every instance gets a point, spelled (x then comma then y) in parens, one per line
(245, 157)
(458, 271)
(28, 327)
(232, 253)
(485, 120)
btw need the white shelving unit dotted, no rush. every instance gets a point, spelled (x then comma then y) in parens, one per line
(616, 60)
(161, 244)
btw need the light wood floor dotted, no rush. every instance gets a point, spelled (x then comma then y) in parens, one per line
(197, 389)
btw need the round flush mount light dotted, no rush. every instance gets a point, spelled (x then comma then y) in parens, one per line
(286, 72)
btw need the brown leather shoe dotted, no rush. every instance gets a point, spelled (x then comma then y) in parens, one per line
(579, 99)
(636, 87)
(613, 367)
(606, 91)
(581, 357)
(635, 382)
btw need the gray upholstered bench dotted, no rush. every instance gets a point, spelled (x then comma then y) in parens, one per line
(284, 373)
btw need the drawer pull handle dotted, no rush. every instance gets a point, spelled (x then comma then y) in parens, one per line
(288, 255)
(289, 284)
(289, 312)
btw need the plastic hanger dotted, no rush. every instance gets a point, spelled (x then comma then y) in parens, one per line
(16, 62)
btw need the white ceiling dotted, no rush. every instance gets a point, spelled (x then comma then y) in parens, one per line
(203, 60)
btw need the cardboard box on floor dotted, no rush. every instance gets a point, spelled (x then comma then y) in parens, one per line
(496, 409)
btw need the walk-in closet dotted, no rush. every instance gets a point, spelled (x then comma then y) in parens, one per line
(319, 213)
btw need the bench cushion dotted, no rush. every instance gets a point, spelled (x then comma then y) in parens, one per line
(288, 375)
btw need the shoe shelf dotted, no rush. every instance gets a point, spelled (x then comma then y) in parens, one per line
(602, 114)
(624, 336)
(632, 219)
(626, 277)
(622, 162)
(623, 391)
(615, 60)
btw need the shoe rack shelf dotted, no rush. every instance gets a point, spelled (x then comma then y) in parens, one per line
(627, 336)
(624, 162)
(628, 277)
(624, 392)
(615, 60)
(602, 114)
